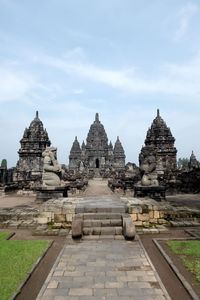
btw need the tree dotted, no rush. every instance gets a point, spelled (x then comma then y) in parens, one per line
(4, 163)
(183, 162)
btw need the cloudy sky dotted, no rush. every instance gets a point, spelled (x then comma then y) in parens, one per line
(121, 58)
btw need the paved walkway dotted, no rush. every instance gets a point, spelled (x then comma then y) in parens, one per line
(102, 269)
(99, 187)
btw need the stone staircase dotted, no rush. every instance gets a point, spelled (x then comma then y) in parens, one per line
(102, 221)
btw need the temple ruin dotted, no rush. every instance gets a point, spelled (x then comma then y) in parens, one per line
(34, 142)
(96, 157)
(159, 143)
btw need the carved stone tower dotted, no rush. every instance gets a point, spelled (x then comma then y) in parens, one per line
(159, 142)
(193, 163)
(33, 143)
(75, 155)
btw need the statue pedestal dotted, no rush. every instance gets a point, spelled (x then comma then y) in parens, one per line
(155, 192)
(45, 193)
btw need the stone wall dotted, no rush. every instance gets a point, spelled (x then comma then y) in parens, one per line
(147, 212)
(58, 210)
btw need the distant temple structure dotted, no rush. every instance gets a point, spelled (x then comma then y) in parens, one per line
(96, 156)
(34, 142)
(159, 143)
(193, 162)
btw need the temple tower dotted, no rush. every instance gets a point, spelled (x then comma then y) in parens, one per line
(193, 163)
(96, 155)
(159, 142)
(33, 143)
(119, 156)
(75, 155)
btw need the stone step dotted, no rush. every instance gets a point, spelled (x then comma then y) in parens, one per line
(102, 216)
(184, 223)
(103, 223)
(100, 209)
(102, 230)
(102, 237)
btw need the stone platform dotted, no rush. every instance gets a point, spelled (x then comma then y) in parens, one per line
(103, 269)
(45, 193)
(154, 192)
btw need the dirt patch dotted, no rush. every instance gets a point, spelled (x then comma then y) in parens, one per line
(36, 280)
(12, 200)
(172, 284)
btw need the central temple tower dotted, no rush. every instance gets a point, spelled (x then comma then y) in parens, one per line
(97, 156)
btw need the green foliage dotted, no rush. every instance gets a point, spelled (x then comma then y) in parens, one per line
(189, 253)
(4, 163)
(183, 162)
(16, 261)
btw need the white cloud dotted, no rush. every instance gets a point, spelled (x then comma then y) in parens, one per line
(174, 79)
(14, 85)
(183, 17)
(78, 91)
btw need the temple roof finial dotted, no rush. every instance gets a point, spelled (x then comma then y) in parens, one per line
(37, 114)
(97, 117)
(158, 113)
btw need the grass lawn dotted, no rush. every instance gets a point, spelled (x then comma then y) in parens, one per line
(16, 260)
(189, 252)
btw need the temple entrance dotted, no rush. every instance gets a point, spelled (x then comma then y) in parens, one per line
(97, 163)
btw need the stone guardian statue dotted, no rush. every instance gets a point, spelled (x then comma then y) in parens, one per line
(52, 171)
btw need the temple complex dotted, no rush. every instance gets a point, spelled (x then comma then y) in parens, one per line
(159, 143)
(96, 156)
(34, 142)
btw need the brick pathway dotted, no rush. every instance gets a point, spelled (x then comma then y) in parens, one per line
(102, 269)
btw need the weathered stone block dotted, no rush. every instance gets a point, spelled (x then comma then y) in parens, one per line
(156, 214)
(134, 217)
(135, 209)
(162, 221)
(162, 214)
(69, 217)
(77, 228)
(59, 218)
(42, 220)
(151, 215)
(153, 220)
(138, 223)
(143, 217)
(128, 228)
(145, 224)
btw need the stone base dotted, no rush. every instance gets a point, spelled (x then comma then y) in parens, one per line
(154, 192)
(45, 193)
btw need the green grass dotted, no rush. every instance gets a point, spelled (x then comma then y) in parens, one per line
(16, 260)
(4, 235)
(189, 253)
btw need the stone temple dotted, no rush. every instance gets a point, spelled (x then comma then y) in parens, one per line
(34, 142)
(96, 157)
(159, 143)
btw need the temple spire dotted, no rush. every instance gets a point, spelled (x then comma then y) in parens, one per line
(37, 114)
(97, 117)
(158, 113)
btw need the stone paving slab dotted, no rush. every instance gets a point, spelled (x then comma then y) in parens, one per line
(103, 269)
